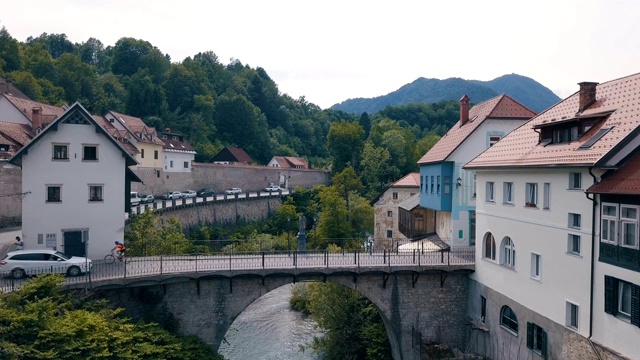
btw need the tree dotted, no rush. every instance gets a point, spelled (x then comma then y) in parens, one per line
(377, 170)
(424, 145)
(345, 142)
(333, 226)
(39, 321)
(56, 44)
(9, 52)
(365, 122)
(145, 97)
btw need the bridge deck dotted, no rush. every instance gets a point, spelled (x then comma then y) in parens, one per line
(165, 268)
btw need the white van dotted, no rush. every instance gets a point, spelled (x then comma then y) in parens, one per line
(135, 198)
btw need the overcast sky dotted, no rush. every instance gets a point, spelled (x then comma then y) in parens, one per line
(330, 51)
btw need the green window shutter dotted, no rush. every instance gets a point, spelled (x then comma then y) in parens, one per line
(610, 290)
(635, 305)
(544, 345)
(529, 335)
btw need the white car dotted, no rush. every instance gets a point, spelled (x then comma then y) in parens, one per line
(233, 191)
(136, 199)
(23, 263)
(188, 194)
(271, 188)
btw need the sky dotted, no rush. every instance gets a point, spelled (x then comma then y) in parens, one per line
(329, 51)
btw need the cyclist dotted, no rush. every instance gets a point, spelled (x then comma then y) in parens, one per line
(119, 250)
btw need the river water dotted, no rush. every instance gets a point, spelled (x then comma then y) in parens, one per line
(269, 330)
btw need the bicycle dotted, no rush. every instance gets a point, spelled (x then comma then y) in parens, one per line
(111, 258)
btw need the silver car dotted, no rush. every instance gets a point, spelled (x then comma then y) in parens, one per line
(34, 262)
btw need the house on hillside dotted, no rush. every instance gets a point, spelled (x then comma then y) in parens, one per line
(232, 155)
(178, 154)
(76, 182)
(288, 162)
(13, 136)
(448, 189)
(616, 277)
(6, 87)
(533, 286)
(144, 138)
(24, 111)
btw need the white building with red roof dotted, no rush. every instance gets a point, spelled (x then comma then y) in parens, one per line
(144, 138)
(178, 153)
(534, 289)
(448, 189)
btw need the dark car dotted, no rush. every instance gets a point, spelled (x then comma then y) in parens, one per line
(206, 192)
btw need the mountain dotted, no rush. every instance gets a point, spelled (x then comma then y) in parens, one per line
(525, 90)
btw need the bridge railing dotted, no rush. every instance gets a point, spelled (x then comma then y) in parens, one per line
(191, 265)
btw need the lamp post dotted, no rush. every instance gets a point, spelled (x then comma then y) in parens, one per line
(288, 235)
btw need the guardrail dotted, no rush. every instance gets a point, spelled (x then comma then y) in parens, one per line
(160, 204)
(140, 267)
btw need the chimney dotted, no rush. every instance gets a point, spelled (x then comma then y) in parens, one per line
(587, 94)
(464, 110)
(167, 130)
(36, 117)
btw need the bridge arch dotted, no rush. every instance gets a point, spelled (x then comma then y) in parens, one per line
(431, 303)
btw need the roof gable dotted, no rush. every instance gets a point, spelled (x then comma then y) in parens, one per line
(499, 107)
(25, 107)
(232, 154)
(75, 114)
(410, 180)
(624, 181)
(616, 100)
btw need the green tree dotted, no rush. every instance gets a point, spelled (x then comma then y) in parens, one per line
(9, 52)
(146, 237)
(333, 225)
(424, 145)
(345, 141)
(56, 44)
(145, 97)
(38, 321)
(377, 169)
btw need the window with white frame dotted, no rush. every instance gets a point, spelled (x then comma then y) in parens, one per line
(95, 193)
(624, 298)
(573, 244)
(54, 193)
(507, 193)
(621, 300)
(509, 320)
(489, 194)
(394, 195)
(508, 252)
(629, 226)
(489, 247)
(186, 164)
(531, 193)
(546, 196)
(572, 311)
(575, 180)
(575, 221)
(608, 230)
(536, 266)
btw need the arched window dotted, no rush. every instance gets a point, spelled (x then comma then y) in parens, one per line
(489, 247)
(508, 257)
(508, 319)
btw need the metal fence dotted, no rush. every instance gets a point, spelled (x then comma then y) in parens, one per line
(139, 267)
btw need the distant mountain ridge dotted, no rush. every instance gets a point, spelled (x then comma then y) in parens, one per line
(525, 90)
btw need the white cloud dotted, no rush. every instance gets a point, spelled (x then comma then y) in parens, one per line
(331, 50)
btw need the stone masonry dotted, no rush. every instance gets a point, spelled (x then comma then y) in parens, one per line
(207, 307)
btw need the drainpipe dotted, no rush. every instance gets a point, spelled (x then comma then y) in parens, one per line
(593, 255)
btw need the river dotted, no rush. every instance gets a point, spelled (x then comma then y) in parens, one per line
(269, 330)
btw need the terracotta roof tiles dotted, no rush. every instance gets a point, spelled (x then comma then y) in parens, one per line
(499, 107)
(20, 134)
(49, 112)
(625, 180)
(522, 148)
(410, 180)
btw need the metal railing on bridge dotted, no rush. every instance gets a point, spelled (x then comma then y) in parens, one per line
(132, 268)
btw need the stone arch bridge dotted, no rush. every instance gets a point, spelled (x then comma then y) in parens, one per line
(419, 295)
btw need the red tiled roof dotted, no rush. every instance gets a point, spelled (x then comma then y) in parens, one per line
(7, 87)
(410, 180)
(291, 162)
(177, 145)
(299, 162)
(625, 180)
(499, 107)
(137, 127)
(20, 134)
(521, 147)
(25, 106)
(116, 134)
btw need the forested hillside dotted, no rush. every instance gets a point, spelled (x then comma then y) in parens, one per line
(525, 90)
(217, 105)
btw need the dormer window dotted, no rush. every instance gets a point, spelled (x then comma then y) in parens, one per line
(164, 137)
(175, 138)
(568, 130)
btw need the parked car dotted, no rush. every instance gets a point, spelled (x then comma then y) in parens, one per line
(171, 195)
(23, 263)
(206, 192)
(233, 191)
(188, 194)
(135, 198)
(147, 199)
(272, 188)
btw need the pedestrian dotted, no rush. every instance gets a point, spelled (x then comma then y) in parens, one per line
(18, 243)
